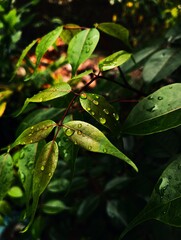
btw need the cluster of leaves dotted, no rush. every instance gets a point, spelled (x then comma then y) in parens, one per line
(62, 118)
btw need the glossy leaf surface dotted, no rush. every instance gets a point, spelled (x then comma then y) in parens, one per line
(156, 113)
(114, 60)
(69, 31)
(165, 202)
(161, 64)
(54, 206)
(115, 30)
(43, 172)
(97, 106)
(6, 174)
(81, 47)
(47, 41)
(56, 91)
(92, 139)
(35, 133)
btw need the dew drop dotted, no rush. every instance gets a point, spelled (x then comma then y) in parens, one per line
(88, 109)
(106, 111)
(59, 144)
(22, 154)
(22, 176)
(116, 116)
(102, 120)
(97, 96)
(30, 165)
(30, 134)
(42, 168)
(87, 49)
(150, 98)
(95, 102)
(170, 87)
(160, 98)
(40, 99)
(163, 186)
(79, 125)
(83, 95)
(152, 109)
(105, 150)
(49, 174)
(79, 132)
(69, 132)
(89, 147)
(93, 113)
(32, 128)
(37, 129)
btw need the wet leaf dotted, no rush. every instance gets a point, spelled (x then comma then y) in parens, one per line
(56, 91)
(35, 133)
(165, 202)
(6, 174)
(44, 169)
(158, 112)
(47, 41)
(115, 30)
(97, 106)
(81, 47)
(92, 139)
(114, 60)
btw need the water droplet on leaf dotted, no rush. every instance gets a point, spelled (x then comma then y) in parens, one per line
(32, 128)
(22, 176)
(97, 96)
(106, 111)
(83, 95)
(95, 102)
(163, 186)
(152, 109)
(88, 109)
(105, 150)
(79, 125)
(69, 132)
(79, 132)
(41, 99)
(89, 147)
(22, 154)
(116, 116)
(93, 113)
(102, 120)
(49, 174)
(150, 98)
(160, 98)
(42, 168)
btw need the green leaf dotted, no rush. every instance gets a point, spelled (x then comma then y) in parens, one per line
(90, 138)
(161, 64)
(6, 174)
(69, 31)
(158, 112)
(43, 172)
(47, 41)
(81, 47)
(78, 78)
(97, 106)
(35, 133)
(15, 192)
(114, 60)
(164, 204)
(58, 185)
(56, 91)
(54, 206)
(115, 30)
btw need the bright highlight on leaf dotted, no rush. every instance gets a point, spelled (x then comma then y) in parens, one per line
(97, 106)
(35, 133)
(158, 112)
(81, 47)
(164, 204)
(56, 91)
(114, 60)
(92, 139)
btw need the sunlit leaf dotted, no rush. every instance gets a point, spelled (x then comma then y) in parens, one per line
(81, 47)
(47, 41)
(97, 106)
(56, 91)
(164, 204)
(114, 60)
(156, 113)
(6, 174)
(161, 64)
(35, 133)
(115, 30)
(15, 192)
(44, 169)
(92, 139)
(2, 108)
(69, 31)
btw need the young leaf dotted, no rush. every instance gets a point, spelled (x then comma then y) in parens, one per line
(47, 41)
(6, 174)
(90, 138)
(56, 91)
(114, 60)
(101, 110)
(78, 78)
(81, 47)
(161, 64)
(69, 31)
(115, 30)
(165, 202)
(156, 113)
(54, 206)
(35, 133)
(43, 172)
